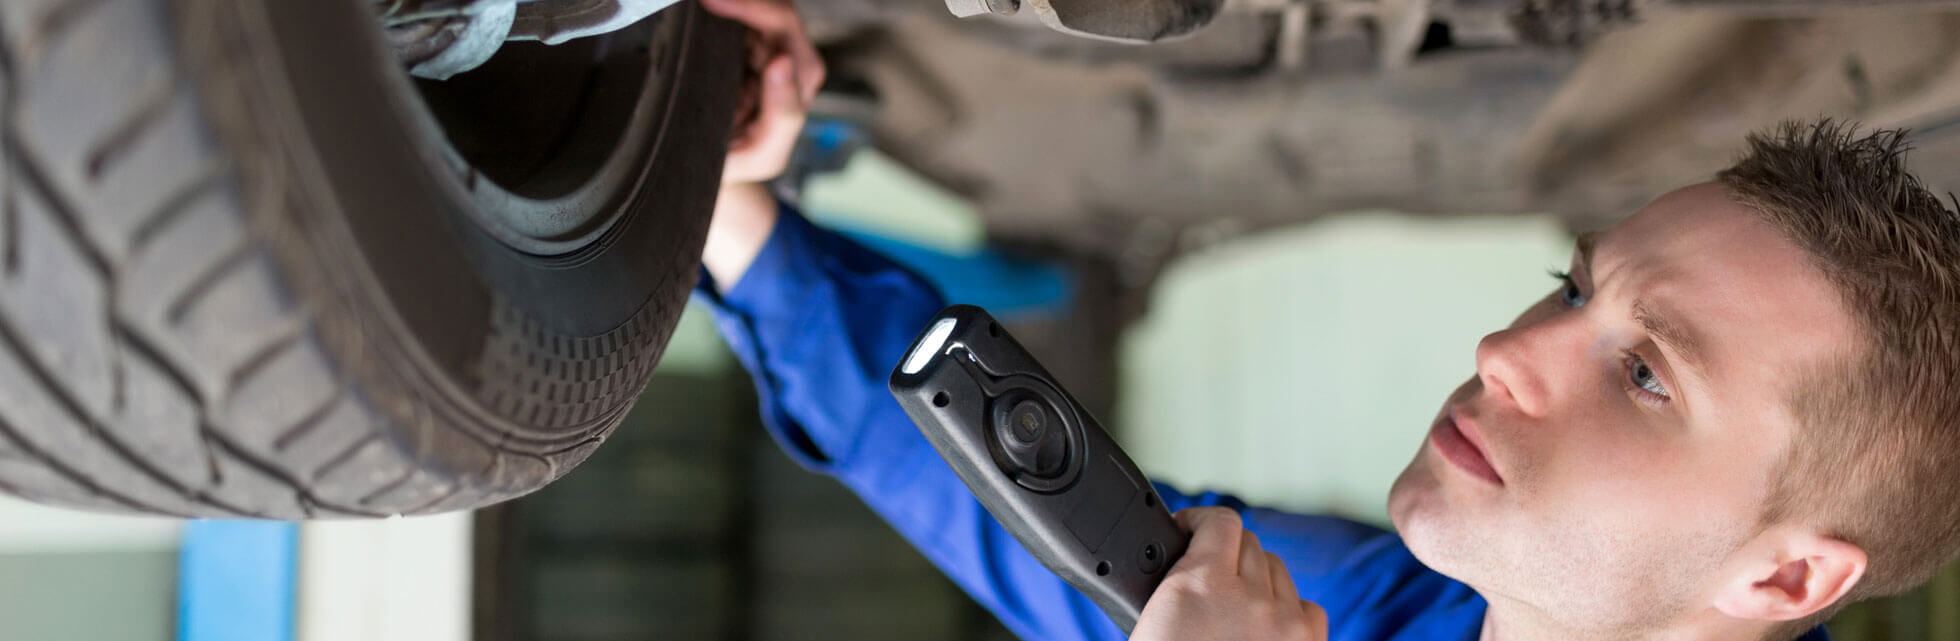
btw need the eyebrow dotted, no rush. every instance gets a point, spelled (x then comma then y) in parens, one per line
(1677, 336)
(1665, 330)
(1585, 246)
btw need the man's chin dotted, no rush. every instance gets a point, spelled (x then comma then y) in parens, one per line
(1438, 547)
(1413, 490)
(1418, 508)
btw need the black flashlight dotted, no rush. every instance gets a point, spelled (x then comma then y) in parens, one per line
(1037, 461)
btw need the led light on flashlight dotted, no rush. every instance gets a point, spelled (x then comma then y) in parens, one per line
(934, 340)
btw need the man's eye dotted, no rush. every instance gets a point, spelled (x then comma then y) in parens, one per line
(1569, 293)
(1642, 376)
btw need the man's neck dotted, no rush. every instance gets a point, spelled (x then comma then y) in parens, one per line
(1511, 621)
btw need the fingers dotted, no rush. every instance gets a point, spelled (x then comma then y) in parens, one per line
(1252, 564)
(1228, 587)
(763, 150)
(1316, 619)
(1282, 580)
(1215, 538)
(809, 66)
(780, 97)
(779, 109)
(762, 101)
(790, 73)
(780, 29)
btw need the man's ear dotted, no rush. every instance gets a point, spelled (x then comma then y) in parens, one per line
(1795, 576)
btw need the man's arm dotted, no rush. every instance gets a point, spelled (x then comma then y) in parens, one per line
(819, 321)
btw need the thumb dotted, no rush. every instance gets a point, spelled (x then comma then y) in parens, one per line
(779, 92)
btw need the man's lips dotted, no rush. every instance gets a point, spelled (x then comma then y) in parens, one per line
(1459, 443)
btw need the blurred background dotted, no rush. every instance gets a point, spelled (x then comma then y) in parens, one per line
(1262, 255)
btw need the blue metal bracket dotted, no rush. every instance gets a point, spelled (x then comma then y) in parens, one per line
(236, 581)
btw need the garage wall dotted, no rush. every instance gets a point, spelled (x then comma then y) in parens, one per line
(62, 570)
(1301, 368)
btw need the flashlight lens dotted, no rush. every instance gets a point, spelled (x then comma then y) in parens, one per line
(929, 346)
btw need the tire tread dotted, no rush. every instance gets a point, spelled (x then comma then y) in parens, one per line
(180, 333)
(76, 201)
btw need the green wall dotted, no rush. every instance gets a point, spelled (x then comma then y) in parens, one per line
(1300, 368)
(100, 595)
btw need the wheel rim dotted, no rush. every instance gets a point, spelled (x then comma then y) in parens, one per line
(546, 143)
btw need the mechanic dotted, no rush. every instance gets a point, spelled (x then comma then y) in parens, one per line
(1733, 415)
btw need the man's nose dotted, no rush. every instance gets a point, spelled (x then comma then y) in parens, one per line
(1506, 366)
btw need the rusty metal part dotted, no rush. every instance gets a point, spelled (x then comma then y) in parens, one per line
(1570, 23)
(556, 21)
(441, 38)
(1126, 20)
(1133, 21)
(970, 8)
(1789, 8)
(445, 45)
(1574, 23)
(397, 12)
(1085, 148)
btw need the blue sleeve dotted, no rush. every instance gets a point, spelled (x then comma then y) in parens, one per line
(819, 321)
(1318, 550)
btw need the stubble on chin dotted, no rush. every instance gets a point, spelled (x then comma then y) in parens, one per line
(1585, 575)
(1415, 497)
(1419, 509)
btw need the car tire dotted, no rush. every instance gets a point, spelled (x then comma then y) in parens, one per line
(248, 267)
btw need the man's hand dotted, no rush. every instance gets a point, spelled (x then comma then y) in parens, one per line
(1227, 588)
(772, 111)
(785, 73)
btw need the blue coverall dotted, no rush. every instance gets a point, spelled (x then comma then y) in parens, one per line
(819, 321)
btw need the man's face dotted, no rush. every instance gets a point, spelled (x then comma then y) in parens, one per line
(1616, 442)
